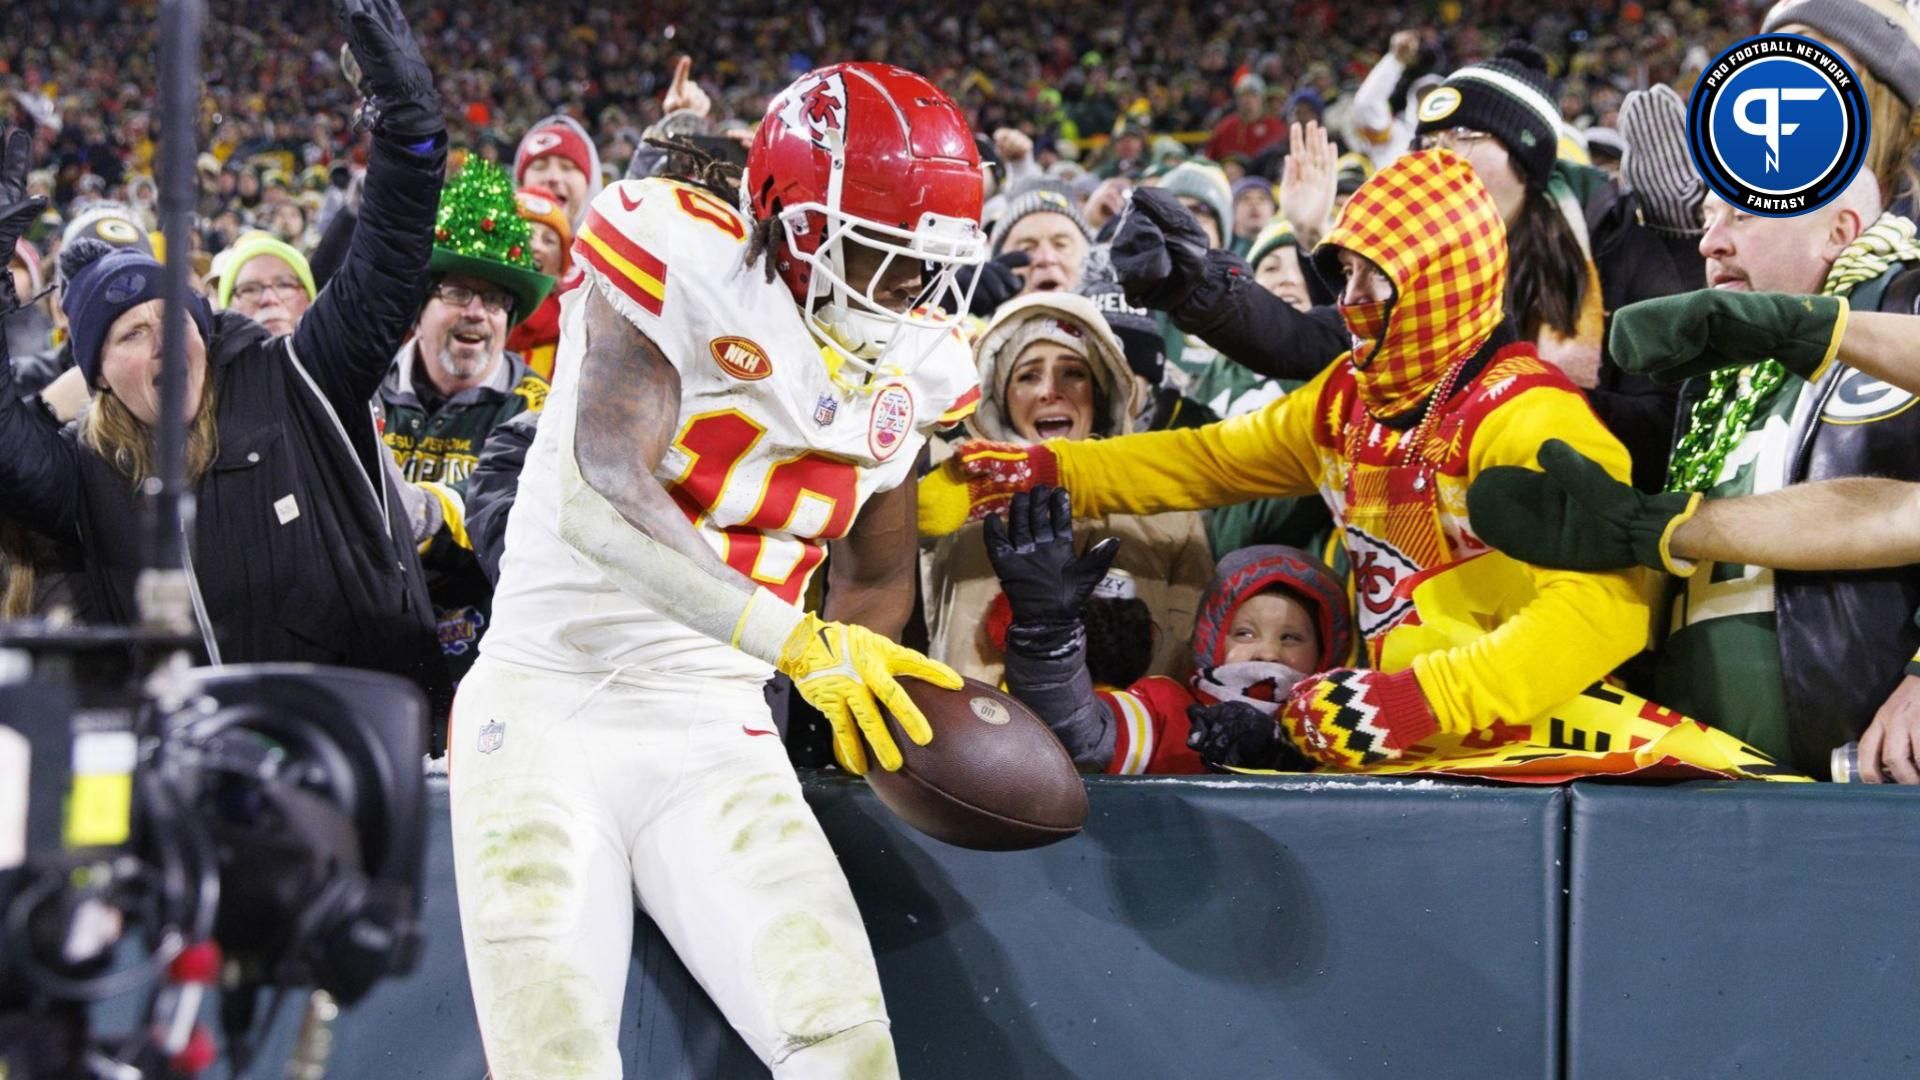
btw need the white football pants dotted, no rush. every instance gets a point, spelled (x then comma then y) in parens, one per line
(573, 795)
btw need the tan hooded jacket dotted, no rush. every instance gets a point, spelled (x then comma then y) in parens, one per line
(1165, 555)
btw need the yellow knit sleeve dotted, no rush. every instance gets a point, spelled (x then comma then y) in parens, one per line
(1260, 454)
(1577, 628)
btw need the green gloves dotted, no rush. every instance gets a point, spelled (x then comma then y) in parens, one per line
(1574, 516)
(1677, 337)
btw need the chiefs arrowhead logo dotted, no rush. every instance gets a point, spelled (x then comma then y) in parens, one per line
(540, 142)
(817, 108)
(822, 111)
(740, 358)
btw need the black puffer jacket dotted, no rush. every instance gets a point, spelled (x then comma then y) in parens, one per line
(494, 485)
(300, 549)
(1634, 265)
(1256, 329)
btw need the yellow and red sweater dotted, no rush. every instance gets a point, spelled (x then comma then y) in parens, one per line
(1578, 627)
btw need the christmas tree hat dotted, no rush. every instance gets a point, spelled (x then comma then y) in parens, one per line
(479, 232)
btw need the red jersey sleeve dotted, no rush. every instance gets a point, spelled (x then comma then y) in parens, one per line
(1150, 728)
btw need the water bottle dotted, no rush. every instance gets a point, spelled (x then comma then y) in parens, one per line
(1845, 763)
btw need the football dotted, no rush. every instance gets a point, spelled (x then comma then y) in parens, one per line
(993, 778)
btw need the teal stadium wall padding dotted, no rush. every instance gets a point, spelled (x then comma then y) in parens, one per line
(1744, 930)
(1304, 928)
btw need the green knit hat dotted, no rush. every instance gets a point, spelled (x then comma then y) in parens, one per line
(255, 244)
(479, 232)
(1277, 234)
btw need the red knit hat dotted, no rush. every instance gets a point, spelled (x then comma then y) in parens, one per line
(548, 140)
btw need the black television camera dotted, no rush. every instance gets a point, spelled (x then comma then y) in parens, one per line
(175, 831)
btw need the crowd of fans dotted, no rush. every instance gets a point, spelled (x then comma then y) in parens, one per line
(1073, 75)
(1159, 180)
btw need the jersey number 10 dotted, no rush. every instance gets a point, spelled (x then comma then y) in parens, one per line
(715, 444)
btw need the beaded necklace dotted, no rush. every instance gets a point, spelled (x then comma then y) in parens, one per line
(1413, 447)
(1719, 421)
(1722, 417)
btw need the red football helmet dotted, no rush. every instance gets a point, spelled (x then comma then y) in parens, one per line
(873, 155)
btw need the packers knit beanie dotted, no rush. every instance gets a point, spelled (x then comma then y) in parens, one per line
(1277, 234)
(1509, 98)
(1139, 335)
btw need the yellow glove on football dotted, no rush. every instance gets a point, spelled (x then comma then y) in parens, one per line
(841, 669)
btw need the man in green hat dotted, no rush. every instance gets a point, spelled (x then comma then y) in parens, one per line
(455, 381)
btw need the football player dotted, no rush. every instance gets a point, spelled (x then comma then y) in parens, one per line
(736, 395)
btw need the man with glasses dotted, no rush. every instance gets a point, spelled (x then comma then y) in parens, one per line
(267, 281)
(455, 382)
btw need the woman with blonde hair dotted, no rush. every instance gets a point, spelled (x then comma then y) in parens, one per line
(299, 549)
(1051, 368)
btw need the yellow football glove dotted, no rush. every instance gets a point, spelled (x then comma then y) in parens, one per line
(841, 669)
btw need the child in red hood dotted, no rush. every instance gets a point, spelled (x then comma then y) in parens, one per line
(1271, 616)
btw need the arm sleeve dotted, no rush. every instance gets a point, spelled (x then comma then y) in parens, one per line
(1060, 692)
(494, 486)
(39, 468)
(1150, 729)
(1577, 628)
(1255, 455)
(1019, 172)
(348, 337)
(1258, 330)
(1217, 140)
(1372, 109)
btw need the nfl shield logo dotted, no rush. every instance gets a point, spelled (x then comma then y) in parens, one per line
(492, 734)
(825, 409)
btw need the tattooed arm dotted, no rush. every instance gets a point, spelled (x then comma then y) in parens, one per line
(615, 514)
(629, 410)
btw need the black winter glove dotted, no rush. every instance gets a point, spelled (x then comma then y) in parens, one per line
(17, 212)
(1159, 252)
(1234, 733)
(1046, 584)
(998, 282)
(402, 103)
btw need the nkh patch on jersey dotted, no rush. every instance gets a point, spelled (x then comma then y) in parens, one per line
(771, 457)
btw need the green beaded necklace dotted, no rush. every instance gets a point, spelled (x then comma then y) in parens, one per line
(1724, 414)
(1718, 422)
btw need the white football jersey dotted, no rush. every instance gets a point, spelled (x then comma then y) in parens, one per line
(772, 456)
